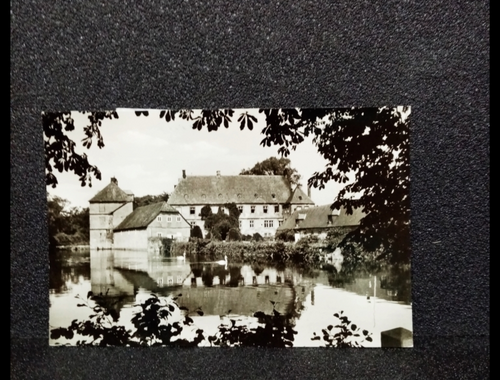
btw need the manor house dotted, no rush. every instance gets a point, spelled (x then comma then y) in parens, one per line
(264, 201)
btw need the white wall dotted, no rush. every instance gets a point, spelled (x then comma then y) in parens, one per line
(131, 239)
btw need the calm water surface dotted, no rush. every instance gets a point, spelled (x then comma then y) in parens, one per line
(374, 301)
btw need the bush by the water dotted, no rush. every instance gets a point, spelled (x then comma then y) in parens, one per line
(247, 251)
(234, 235)
(287, 236)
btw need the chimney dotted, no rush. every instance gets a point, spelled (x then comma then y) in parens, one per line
(183, 173)
(309, 191)
(114, 180)
(218, 173)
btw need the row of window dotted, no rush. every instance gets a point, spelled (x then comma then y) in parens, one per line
(251, 223)
(169, 218)
(265, 209)
(267, 223)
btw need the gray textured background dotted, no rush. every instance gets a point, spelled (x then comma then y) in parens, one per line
(434, 56)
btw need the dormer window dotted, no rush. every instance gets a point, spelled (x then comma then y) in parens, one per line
(273, 195)
(300, 197)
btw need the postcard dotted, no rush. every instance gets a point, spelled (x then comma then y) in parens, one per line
(282, 227)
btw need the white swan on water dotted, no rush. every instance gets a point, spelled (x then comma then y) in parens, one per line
(222, 262)
(183, 257)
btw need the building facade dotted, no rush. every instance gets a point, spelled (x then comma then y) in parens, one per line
(107, 209)
(114, 224)
(263, 201)
(145, 227)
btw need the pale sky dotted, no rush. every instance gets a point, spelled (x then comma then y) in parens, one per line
(147, 155)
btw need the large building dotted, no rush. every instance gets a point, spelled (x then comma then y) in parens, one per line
(264, 201)
(319, 220)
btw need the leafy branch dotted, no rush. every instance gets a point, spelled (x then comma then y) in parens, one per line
(343, 334)
(60, 153)
(273, 330)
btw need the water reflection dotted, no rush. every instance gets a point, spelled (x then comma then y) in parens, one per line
(235, 288)
(67, 269)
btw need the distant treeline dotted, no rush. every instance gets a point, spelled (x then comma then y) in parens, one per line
(67, 227)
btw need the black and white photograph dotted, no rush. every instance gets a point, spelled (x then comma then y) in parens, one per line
(275, 227)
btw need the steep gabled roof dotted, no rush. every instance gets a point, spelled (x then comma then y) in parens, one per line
(317, 217)
(111, 193)
(141, 217)
(239, 189)
(299, 197)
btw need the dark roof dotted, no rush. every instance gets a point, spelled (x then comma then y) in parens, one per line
(111, 193)
(239, 189)
(317, 217)
(345, 219)
(141, 217)
(299, 197)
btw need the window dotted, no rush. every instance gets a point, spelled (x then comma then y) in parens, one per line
(251, 224)
(268, 223)
(178, 218)
(240, 223)
(264, 208)
(252, 209)
(277, 208)
(240, 209)
(192, 210)
(159, 234)
(193, 223)
(280, 223)
(169, 218)
(159, 219)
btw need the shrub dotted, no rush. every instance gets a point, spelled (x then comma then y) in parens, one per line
(233, 235)
(257, 237)
(196, 232)
(287, 236)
